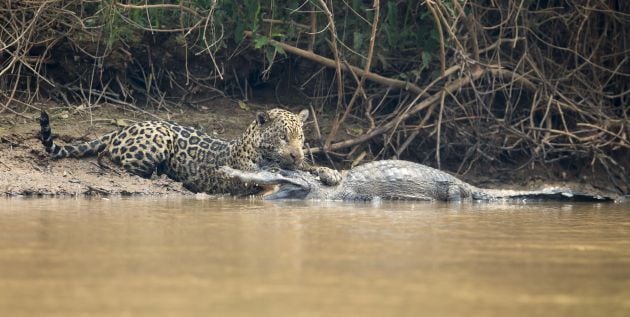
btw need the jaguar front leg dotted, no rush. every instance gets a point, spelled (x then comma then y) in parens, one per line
(327, 176)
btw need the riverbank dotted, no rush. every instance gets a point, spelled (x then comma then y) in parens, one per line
(26, 169)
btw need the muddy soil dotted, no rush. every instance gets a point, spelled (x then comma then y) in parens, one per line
(26, 169)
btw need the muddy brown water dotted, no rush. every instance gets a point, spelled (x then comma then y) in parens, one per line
(188, 257)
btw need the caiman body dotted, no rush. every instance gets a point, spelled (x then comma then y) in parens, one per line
(391, 179)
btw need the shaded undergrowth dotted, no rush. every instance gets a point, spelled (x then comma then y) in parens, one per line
(471, 82)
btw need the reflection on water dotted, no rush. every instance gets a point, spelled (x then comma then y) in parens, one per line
(181, 257)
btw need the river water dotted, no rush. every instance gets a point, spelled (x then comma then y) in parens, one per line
(191, 257)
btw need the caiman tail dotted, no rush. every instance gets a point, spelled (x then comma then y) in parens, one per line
(76, 150)
(546, 194)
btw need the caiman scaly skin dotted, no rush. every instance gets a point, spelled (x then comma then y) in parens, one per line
(389, 179)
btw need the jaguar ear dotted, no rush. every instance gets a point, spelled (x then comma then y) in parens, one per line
(262, 117)
(303, 115)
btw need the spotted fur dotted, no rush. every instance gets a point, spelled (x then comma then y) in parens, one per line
(193, 157)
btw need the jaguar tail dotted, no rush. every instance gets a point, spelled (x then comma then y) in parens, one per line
(76, 150)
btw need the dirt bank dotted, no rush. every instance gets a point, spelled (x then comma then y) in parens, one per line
(25, 169)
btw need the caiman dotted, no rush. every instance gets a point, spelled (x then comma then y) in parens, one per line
(393, 180)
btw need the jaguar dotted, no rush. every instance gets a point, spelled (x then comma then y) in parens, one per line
(184, 154)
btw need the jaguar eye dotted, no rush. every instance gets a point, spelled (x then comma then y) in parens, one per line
(283, 138)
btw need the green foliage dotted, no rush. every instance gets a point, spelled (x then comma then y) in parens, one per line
(407, 40)
(239, 16)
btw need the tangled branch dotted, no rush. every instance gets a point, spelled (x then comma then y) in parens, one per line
(469, 81)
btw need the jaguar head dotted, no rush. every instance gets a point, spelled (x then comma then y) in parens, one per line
(282, 137)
